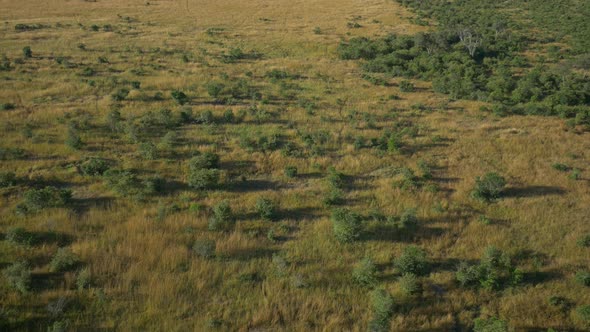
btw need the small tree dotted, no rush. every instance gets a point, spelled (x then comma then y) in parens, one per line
(222, 218)
(347, 225)
(73, 139)
(27, 52)
(409, 283)
(63, 260)
(48, 197)
(214, 89)
(491, 324)
(18, 276)
(266, 208)
(94, 166)
(413, 260)
(207, 160)
(489, 187)
(203, 179)
(179, 97)
(382, 306)
(7, 179)
(365, 273)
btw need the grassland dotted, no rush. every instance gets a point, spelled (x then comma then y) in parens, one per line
(138, 252)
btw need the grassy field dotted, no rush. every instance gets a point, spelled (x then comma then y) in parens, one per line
(139, 261)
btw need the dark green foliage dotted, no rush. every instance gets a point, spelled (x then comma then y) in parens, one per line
(205, 160)
(474, 51)
(228, 116)
(222, 218)
(491, 324)
(583, 278)
(584, 241)
(7, 106)
(409, 284)
(489, 187)
(83, 279)
(290, 171)
(334, 196)
(335, 179)
(27, 52)
(7, 179)
(583, 314)
(206, 117)
(94, 166)
(120, 94)
(382, 307)
(494, 271)
(347, 225)
(413, 260)
(203, 178)
(127, 184)
(204, 248)
(266, 208)
(148, 151)
(215, 89)
(406, 86)
(73, 139)
(179, 97)
(18, 235)
(48, 197)
(203, 172)
(63, 260)
(11, 153)
(18, 276)
(560, 167)
(365, 273)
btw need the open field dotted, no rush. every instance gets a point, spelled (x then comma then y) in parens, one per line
(261, 85)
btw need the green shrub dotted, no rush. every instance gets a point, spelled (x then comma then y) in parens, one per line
(334, 197)
(148, 151)
(491, 324)
(203, 179)
(409, 284)
(63, 260)
(365, 273)
(489, 187)
(290, 171)
(18, 235)
(222, 218)
(584, 241)
(382, 307)
(11, 153)
(27, 52)
(94, 166)
(335, 178)
(346, 225)
(73, 139)
(7, 179)
(83, 279)
(48, 197)
(205, 248)
(583, 314)
(215, 89)
(18, 276)
(118, 95)
(206, 117)
(467, 275)
(406, 86)
(560, 167)
(207, 160)
(179, 97)
(266, 208)
(413, 260)
(408, 220)
(583, 278)
(127, 184)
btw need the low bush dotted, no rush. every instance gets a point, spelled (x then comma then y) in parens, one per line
(266, 208)
(347, 225)
(489, 187)
(63, 260)
(413, 260)
(365, 273)
(48, 197)
(18, 276)
(222, 218)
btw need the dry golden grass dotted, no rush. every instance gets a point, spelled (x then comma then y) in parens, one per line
(145, 276)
